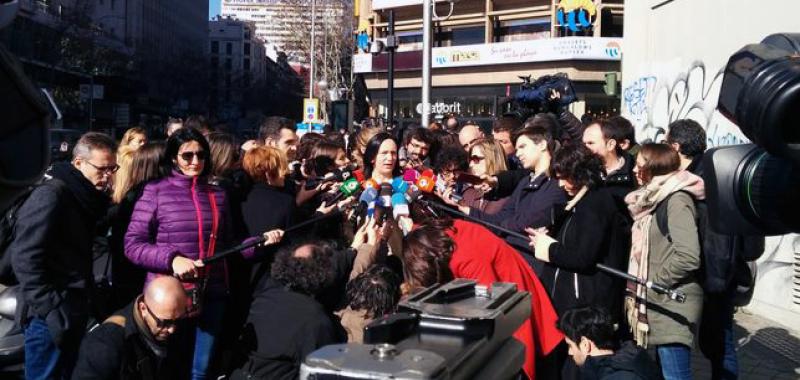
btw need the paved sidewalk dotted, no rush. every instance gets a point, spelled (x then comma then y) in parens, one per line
(767, 350)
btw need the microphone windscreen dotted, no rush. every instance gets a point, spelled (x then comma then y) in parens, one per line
(399, 185)
(359, 174)
(410, 175)
(368, 195)
(425, 184)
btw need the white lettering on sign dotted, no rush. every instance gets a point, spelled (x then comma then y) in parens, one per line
(441, 108)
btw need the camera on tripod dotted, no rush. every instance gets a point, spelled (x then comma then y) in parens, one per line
(459, 330)
(751, 189)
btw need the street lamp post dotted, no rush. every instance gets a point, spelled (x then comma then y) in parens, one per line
(427, 8)
(390, 74)
(311, 54)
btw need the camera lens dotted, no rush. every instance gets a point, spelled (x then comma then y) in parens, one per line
(765, 190)
(770, 102)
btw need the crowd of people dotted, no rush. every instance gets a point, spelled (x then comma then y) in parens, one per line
(119, 239)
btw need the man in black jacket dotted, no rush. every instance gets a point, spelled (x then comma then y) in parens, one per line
(604, 139)
(52, 255)
(589, 333)
(531, 202)
(133, 342)
(286, 322)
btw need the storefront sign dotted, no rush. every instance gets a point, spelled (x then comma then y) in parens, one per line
(441, 108)
(544, 50)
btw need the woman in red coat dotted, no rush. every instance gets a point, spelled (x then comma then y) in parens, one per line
(471, 251)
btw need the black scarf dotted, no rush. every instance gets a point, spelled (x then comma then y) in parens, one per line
(92, 201)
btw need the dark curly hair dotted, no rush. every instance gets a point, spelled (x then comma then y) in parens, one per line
(426, 256)
(376, 291)
(306, 275)
(689, 135)
(451, 157)
(576, 163)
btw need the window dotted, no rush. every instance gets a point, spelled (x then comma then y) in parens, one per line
(247, 49)
(451, 36)
(410, 40)
(522, 30)
(247, 64)
(229, 48)
(228, 64)
(215, 47)
(612, 21)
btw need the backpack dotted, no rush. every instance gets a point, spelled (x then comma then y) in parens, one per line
(719, 252)
(7, 225)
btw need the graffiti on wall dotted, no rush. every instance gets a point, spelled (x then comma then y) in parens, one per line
(652, 102)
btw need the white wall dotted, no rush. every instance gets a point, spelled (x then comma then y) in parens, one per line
(673, 55)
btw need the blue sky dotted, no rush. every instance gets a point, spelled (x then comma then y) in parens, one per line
(213, 8)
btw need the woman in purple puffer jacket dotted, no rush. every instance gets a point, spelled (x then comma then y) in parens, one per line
(178, 221)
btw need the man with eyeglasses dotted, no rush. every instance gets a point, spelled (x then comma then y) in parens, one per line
(134, 342)
(52, 255)
(468, 135)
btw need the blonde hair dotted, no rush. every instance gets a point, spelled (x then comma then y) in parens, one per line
(130, 134)
(493, 154)
(265, 161)
(362, 138)
(123, 175)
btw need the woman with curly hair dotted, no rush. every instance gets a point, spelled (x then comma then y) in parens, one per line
(591, 230)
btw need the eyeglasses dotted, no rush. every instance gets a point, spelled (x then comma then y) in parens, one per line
(104, 169)
(476, 159)
(161, 323)
(189, 156)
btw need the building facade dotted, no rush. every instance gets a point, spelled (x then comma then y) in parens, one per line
(238, 62)
(483, 48)
(284, 25)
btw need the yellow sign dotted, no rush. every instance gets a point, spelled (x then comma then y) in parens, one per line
(310, 110)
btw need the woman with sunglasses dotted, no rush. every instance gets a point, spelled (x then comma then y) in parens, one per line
(486, 157)
(178, 221)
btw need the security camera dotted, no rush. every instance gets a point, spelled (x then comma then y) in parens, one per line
(376, 47)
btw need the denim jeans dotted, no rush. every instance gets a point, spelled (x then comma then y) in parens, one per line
(209, 324)
(676, 361)
(716, 336)
(43, 359)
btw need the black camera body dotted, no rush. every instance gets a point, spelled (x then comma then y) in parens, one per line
(459, 330)
(750, 188)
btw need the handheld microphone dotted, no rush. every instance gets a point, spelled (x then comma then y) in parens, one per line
(399, 185)
(348, 188)
(399, 205)
(367, 197)
(383, 202)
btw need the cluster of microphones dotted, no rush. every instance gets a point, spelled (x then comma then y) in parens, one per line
(379, 200)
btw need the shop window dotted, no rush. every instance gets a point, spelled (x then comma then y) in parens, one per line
(522, 30)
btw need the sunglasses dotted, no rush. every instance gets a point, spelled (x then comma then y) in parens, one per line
(161, 323)
(476, 159)
(105, 169)
(188, 156)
